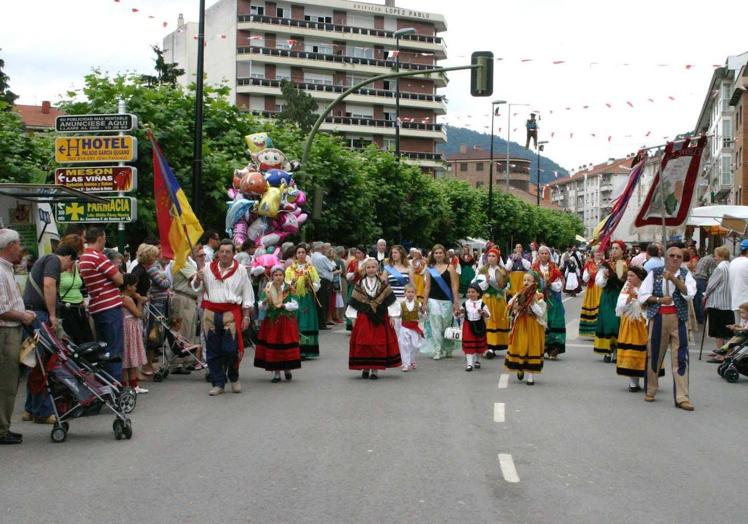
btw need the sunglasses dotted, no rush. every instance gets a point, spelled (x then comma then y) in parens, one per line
(675, 256)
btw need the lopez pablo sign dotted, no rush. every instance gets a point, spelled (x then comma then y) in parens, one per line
(98, 179)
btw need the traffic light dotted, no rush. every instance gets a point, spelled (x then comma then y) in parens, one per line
(481, 78)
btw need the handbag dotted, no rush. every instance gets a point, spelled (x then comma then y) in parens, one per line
(453, 332)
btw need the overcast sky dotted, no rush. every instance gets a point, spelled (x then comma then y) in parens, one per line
(615, 53)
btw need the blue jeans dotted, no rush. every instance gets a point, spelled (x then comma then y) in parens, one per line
(39, 404)
(697, 305)
(110, 329)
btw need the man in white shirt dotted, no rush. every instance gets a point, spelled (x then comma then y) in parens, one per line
(227, 302)
(739, 279)
(211, 243)
(666, 292)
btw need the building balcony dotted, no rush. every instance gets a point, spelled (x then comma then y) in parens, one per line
(346, 124)
(272, 24)
(263, 86)
(333, 62)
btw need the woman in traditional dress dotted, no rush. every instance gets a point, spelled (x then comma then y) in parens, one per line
(373, 344)
(397, 273)
(527, 338)
(611, 275)
(278, 339)
(517, 265)
(632, 335)
(354, 271)
(552, 283)
(571, 271)
(304, 281)
(494, 285)
(467, 269)
(418, 265)
(442, 305)
(591, 300)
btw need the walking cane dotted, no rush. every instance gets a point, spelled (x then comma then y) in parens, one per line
(703, 334)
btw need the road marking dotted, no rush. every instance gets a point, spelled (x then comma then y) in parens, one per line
(507, 468)
(499, 412)
(503, 381)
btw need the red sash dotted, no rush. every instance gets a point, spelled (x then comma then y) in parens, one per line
(236, 310)
(413, 324)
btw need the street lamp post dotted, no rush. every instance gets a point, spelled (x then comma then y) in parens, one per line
(490, 172)
(397, 34)
(538, 149)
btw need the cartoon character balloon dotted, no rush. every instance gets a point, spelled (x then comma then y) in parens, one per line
(265, 202)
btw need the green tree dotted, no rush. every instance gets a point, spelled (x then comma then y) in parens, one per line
(6, 95)
(165, 73)
(300, 107)
(26, 158)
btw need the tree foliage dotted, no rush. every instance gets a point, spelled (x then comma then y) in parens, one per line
(165, 73)
(6, 95)
(300, 107)
(26, 158)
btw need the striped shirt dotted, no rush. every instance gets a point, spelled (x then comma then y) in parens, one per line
(718, 288)
(10, 295)
(97, 272)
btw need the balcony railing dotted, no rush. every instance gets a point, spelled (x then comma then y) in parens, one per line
(370, 122)
(310, 86)
(413, 155)
(341, 59)
(289, 22)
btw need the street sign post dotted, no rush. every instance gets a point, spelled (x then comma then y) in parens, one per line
(98, 179)
(117, 209)
(95, 123)
(79, 149)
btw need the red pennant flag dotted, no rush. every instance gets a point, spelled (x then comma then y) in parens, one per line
(689, 66)
(629, 104)
(151, 16)
(609, 106)
(164, 24)
(223, 35)
(553, 133)
(651, 100)
(593, 135)
(394, 54)
(648, 133)
(609, 137)
(556, 62)
(291, 42)
(586, 107)
(671, 98)
(571, 135)
(135, 9)
(568, 108)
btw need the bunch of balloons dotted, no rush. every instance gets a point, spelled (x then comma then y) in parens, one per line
(265, 203)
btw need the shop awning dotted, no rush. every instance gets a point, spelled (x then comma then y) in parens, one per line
(47, 193)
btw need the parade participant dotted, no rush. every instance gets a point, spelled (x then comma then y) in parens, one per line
(493, 284)
(304, 280)
(379, 253)
(325, 269)
(591, 300)
(410, 336)
(467, 269)
(278, 339)
(442, 305)
(373, 344)
(527, 338)
(228, 300)
(474, 313)
(571, 271)
(533, 251)
(666, 291)
(552, 281)
(13, 314)
(133, 356)
(418, 265)
(183, 309)
(611, 275)
(354, 272)
(632, 335)
(397, 272)
(517, 265)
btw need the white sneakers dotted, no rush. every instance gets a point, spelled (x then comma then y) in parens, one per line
(215, 391)
(236, 387)
(141, 391)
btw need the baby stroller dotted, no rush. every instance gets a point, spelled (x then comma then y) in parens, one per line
(735, 363)
(173, 347)
(78, 385)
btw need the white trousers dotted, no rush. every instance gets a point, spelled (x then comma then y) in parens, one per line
(409, 342)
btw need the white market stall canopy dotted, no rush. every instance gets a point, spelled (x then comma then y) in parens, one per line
(734, 218)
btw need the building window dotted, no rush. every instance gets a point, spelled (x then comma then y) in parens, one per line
(257, 10)
(386, 85)
(726, 171)
(463, 166)
(279, 12)
(479, 166)
(389, 144)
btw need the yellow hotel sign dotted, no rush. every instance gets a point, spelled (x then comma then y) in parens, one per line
(74, 149)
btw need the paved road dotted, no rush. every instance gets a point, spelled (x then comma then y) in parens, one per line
(417, 447)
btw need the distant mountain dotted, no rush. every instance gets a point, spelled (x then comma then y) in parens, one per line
(460, 135)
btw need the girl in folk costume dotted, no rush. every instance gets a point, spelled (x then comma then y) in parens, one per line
(474, 326)
(527, 338)
(303, 279)
(418, 265)
(354, 271)
(493, 284)
(278, 339)
(134, 355)
(632, 335)
(517, 265)
(571, 270)
(442, 304)
(467, 268)
(409, 336)
(611, 275)
(552, 282)
(373, 344)
(591, 300)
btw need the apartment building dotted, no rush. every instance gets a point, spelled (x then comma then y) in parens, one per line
(723, 175)
(323, 47)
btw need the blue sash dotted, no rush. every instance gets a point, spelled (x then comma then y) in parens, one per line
(435, 276)
(401, 279)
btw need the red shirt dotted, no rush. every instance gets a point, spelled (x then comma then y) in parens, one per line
(97, 272)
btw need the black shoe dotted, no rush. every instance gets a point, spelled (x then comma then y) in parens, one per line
(180, 371)
(490, 354)
(14, 434)
(634, 389)
(10, 439)
(606, 359)
(365, 373)
(468, 368)
(275, 380)
(477, 365)
(373, 376)
(520, 375)
(288, 375)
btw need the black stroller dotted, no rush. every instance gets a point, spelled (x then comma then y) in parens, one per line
(173, 346)
(735, 364)
(79, 386)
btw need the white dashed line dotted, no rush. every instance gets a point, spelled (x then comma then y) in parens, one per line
(503, 381)
(499, 412)
(507, 468)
